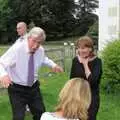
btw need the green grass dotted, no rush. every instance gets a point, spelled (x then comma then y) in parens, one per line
(3, 49)
(110, 107)
(50, 87)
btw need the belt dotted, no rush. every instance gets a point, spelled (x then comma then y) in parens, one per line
(23, 86)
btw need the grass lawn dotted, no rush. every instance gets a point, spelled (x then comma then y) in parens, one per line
(50, 87)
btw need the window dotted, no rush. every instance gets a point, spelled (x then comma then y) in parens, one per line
(112, 29)
(112, 11)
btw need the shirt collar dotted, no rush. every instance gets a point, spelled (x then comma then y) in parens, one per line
(26, 45)
(23, 37)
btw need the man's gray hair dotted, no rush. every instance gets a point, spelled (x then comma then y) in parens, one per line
(37, 31)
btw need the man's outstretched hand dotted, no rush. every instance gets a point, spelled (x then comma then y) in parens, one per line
(57, 68)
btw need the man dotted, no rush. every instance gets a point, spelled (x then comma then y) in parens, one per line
(21, 30)
(18, 73)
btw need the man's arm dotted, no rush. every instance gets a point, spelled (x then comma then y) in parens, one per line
(7, 60)
(51, 64)
(4, 77)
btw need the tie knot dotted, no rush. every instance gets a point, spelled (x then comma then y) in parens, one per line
(31, 54)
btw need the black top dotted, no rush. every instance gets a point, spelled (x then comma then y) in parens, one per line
(95, 66)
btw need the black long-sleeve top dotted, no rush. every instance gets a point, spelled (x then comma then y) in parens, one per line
(95, 66)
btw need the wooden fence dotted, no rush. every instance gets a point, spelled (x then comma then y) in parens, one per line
(57, 55)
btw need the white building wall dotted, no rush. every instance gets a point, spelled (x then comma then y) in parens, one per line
(109, 21)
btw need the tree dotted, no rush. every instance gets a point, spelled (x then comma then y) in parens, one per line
(86, 6)
(5, 15)
(84, 14)
(59, 18)
(54, 16)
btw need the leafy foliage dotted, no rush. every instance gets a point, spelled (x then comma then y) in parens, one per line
(59, 18)
(5, 12)
(111, 65)
(93, 32)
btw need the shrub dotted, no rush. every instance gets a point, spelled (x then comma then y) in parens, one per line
(111, 66)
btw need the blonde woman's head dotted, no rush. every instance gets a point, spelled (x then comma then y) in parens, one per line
(74, 99)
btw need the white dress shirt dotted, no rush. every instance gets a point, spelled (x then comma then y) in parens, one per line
(53, 116)
(15, 62)
(21, 38)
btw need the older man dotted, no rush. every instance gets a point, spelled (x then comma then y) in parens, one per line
(18, 73)
(21, 29)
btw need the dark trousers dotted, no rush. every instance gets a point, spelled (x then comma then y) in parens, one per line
(94, 107)
(21, 95)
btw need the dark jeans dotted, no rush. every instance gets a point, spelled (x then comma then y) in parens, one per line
(21, 95)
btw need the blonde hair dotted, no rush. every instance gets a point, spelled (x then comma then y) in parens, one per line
(74, 99)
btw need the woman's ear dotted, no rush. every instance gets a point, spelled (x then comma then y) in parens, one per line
(91, 50)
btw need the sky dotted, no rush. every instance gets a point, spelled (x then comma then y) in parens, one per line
(96, 11)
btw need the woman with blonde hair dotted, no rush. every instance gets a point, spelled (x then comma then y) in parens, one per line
(89, 67)
(74, 101)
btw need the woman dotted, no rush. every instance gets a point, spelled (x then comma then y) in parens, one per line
(88, 66)
(74, 101)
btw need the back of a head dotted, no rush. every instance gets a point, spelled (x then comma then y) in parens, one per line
(75, 98)
(37, 31)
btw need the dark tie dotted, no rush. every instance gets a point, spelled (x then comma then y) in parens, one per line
(31, 70)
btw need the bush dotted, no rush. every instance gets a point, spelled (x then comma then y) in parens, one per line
(111, 66)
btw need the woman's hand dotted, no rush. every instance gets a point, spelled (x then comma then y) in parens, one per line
(85, 61)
